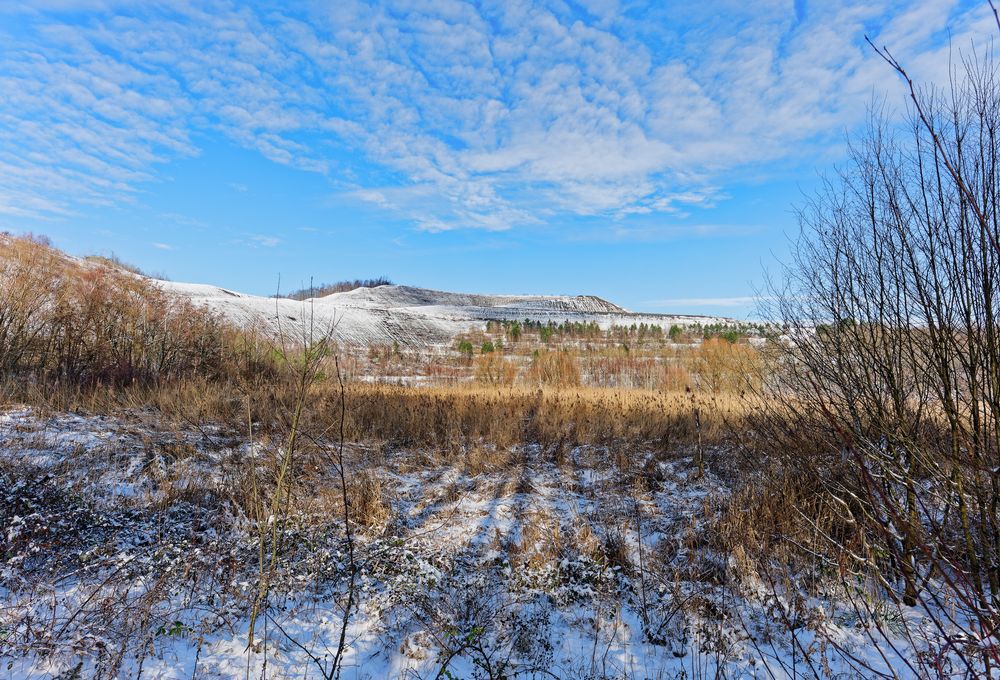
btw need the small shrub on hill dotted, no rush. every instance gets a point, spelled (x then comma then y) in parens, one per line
(493, 369)
(554, 368)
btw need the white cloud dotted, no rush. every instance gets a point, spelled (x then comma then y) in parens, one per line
(266, 241)
(487, 117)
(163, 246)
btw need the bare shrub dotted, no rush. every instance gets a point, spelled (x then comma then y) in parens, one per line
(554, 368)
(673, 378)
(727, 366)
(493, 368)
(64, 321)
(892, 297)
(29, 270)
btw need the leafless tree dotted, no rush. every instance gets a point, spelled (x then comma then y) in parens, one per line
(892, 298)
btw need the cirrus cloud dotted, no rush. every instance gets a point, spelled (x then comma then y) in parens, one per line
(451, 115)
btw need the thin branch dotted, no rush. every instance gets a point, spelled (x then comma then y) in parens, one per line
(341, 644)
(929, 126)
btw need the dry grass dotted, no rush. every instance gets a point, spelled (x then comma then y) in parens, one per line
(472, 420)
(368, 500)
(443, 417)
(541, 542)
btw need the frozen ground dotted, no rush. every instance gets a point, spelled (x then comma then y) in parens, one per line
(126, 553)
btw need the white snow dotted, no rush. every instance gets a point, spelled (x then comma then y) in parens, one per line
(484, 561)
(412, 316)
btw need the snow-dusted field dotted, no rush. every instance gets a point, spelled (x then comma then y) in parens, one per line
(126, 553)
(412, 316)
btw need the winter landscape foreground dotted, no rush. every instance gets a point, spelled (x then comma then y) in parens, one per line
(127, 555)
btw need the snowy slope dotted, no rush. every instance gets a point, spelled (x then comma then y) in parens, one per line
(412, 316)
(405, 314)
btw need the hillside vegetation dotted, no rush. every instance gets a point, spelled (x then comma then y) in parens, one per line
(324, 289)
(82, 323)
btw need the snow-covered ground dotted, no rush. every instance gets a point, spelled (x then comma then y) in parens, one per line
(126, 552)
(413, 316)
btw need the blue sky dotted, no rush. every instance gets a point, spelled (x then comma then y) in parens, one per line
(649, 153)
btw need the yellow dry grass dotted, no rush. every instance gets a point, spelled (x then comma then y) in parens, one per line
(473, 414)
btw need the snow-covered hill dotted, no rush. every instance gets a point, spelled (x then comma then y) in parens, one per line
(412, 316)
